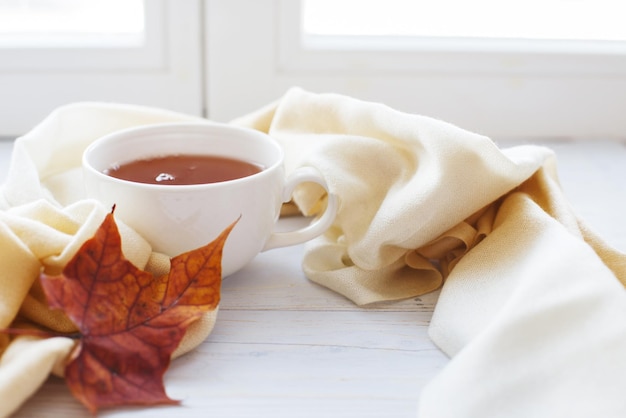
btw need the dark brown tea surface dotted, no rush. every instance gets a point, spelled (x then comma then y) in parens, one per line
(183, 169)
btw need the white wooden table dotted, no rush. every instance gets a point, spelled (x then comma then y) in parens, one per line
(286, 347)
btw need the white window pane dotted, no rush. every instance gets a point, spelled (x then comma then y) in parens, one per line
(165, 71)
(71, 23)
(529, 19)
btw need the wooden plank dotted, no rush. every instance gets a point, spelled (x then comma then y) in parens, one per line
(274, 279)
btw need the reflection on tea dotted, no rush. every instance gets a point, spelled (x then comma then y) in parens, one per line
(183, 169)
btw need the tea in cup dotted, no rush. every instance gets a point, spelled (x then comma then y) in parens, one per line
(179, 185)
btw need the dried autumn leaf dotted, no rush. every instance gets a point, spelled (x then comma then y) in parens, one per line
(129, 321)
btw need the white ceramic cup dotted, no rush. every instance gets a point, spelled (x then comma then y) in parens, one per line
(178, 218)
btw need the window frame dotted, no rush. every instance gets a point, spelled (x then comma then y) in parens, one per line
(167, 71)
(148, 56)
(511, 92)
(298, 52)
(207, 57)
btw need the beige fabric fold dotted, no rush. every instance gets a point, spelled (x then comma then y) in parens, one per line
(409, 186)
(535, 329)
(533, 308)
(44, 219)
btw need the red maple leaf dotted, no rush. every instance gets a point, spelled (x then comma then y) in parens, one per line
(129, 321)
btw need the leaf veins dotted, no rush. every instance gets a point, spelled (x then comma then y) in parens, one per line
(129, 321)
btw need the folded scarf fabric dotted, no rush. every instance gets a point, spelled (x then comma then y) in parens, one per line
(533, 308)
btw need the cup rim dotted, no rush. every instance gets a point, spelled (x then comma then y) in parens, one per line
(163, 127)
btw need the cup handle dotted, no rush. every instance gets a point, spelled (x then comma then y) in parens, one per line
(284, 239)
